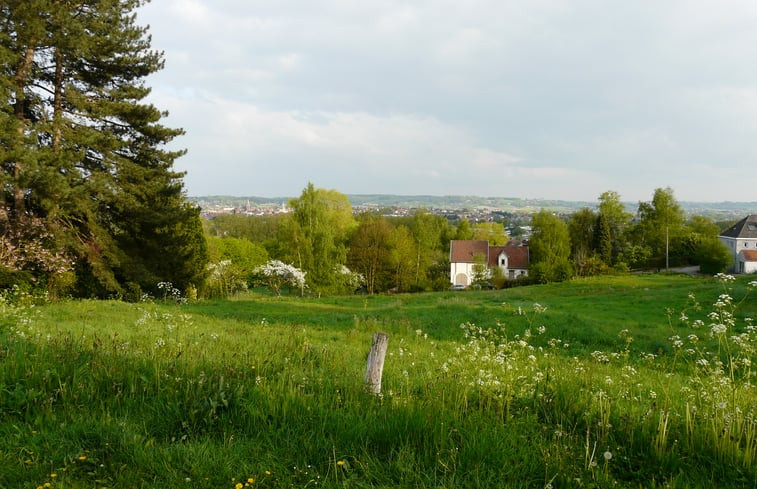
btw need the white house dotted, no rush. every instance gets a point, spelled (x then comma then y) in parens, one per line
(511, 259)
(746, 261)
(741, 240)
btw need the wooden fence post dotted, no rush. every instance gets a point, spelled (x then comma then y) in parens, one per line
(375, 366)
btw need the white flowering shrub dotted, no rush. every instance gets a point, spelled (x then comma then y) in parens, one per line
(224, 280)
(277, 274)
(351, 280)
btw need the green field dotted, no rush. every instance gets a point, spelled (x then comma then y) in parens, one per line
(602, 382)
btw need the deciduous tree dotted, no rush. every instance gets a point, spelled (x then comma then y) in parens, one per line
(370, 251)
(550, 248)
(320, 227)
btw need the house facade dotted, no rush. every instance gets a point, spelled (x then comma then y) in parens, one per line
(741, 240)
(511, 259)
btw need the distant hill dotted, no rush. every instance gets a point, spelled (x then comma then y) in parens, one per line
(716, 210)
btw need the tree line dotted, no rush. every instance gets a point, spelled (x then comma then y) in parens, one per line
(322, 236)
(610, 239)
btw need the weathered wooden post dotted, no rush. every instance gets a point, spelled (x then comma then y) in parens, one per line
(375, 366)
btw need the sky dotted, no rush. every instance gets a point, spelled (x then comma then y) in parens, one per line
(555, 99)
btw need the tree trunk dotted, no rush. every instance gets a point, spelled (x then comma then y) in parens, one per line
(19, 109)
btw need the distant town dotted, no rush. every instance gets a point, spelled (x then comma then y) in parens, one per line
(514, 211)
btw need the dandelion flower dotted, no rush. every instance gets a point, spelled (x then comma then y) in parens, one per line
(340, 463)
(239, 485)
(250, 480)
(608, 455)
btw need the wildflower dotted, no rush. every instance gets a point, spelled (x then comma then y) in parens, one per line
(239, 485)
(340, 463)
(82, 457)
(718, 329)
(267, 472)
(724, 277)
(53, 475)
(250, 480)
(607, 455)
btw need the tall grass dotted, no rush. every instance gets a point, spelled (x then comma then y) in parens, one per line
(268, 390)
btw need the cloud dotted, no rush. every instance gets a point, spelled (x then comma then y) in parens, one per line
(476, 96)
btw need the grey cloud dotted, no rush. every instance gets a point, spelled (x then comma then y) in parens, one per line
(629, 96)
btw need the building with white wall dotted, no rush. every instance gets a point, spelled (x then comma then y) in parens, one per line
(512, 259)
(741, 240)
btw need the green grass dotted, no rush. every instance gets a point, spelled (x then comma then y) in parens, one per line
(109, 394)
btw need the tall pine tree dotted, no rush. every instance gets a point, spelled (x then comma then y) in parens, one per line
(82, 150)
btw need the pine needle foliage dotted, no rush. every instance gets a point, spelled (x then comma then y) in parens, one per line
(82, 150)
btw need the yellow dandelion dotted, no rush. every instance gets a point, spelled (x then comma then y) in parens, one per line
(82, 457)
(47, 484)
(250, 480)
(340, 463)
(53, 475)
(239, 485)
(267, 472)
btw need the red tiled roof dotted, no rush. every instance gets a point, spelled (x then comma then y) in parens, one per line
(464, 251)
(517, 256)
(749, 255)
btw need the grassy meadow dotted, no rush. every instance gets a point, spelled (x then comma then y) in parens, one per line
(628, 381)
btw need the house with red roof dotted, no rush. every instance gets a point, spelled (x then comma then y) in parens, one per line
(512, 259)
(741, 240)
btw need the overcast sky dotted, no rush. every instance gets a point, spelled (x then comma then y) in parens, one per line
(558, 99)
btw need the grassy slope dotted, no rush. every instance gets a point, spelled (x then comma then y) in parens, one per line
(156, 396)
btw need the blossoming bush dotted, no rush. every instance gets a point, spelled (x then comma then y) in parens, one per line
(224, 280)
(277, 274)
